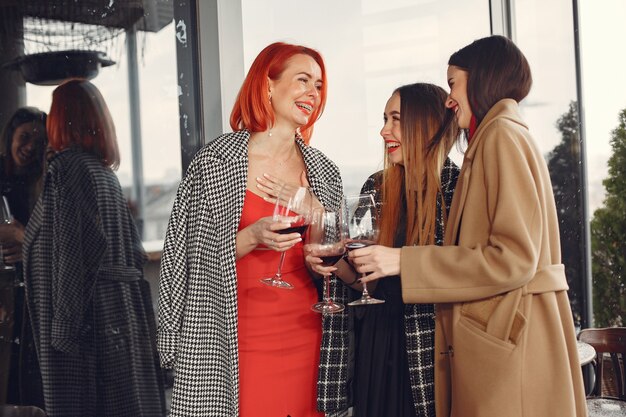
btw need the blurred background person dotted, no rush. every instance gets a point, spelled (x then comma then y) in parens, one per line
(91, 316)
(21, 167)
(239, 347)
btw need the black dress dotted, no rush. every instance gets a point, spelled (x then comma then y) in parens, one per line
(382, 385)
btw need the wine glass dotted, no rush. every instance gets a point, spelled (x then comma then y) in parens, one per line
(324, 241)
(294, 205)
(360, 229)
(5, 218)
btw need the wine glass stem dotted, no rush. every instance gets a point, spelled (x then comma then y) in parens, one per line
(327, 289)
(279, 275)
(365, 294)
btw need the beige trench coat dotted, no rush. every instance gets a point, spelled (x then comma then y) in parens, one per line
(505, 341)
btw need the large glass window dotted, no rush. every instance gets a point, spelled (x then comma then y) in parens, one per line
(544, 32)
(601, 33)
(157, 106)
(370, 48)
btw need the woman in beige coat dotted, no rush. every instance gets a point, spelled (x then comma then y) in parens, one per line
(505, 341)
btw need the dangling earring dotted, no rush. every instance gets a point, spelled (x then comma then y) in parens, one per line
(269, 97)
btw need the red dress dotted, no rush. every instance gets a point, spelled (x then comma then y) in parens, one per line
(279, 334)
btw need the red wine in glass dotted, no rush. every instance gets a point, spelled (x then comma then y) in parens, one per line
(325, 241)
(329, 254)
(294, 229)
(358, 244)
(293, 205)
(330, 260)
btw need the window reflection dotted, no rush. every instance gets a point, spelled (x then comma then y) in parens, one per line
(159, 121)
(43, 43)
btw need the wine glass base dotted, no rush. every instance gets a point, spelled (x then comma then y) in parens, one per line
(329, 307)
(278, 283)
(367, 300)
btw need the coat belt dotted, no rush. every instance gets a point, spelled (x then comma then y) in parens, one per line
(119, 273)
(550, 278)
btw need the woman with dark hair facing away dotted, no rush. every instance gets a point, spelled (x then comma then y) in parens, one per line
(505, 341)
(394, 341)
(239, 347)
(91, 315)
(21, 165)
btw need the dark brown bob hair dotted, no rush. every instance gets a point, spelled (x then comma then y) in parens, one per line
(497, 69)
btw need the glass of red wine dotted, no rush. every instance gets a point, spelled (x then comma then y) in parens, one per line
(324, 240)
(360, 229)
(294, 205)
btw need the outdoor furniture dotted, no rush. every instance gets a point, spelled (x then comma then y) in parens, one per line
(586, 353)
(608, 395)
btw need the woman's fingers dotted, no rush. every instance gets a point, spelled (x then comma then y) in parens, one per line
(281, 242)
(317, 265)
(12, 254)
(376, 261)
(269, 185)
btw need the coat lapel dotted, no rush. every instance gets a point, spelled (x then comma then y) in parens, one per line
(226, 177)
(504, 108)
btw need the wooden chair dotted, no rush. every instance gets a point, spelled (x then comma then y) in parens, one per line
(21, 411)
(608, 395)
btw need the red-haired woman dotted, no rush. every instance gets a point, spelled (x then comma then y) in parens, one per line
(505, 342)
(90, 312)
(239, 347)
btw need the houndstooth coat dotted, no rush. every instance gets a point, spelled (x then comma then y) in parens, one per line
(197, 312)
(90, 309)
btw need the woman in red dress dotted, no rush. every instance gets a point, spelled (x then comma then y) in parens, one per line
(239, 347)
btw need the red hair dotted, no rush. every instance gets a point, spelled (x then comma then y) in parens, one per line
(253, 110)
(79, 118)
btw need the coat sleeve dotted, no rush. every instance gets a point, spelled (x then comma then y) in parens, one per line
(174, 276)
(507, 259)
(78, 245)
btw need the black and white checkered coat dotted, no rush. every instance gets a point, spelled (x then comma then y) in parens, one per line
(419, 319)
(197, 311)
(90, 308)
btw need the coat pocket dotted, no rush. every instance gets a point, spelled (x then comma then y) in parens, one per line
(486, 373)
(498, 317)
(487, 357)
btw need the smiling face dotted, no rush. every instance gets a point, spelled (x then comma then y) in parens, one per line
(296, 93)
(457, 99)
(391, 131)
(27, 144)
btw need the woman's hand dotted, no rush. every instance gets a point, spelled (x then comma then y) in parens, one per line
(265, 232)
(11, 239)
(314, 263)
(12, 253)
(342, 269)
(376, 261)
(272, 186)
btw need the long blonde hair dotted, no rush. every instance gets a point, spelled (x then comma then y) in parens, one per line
(429, 131)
